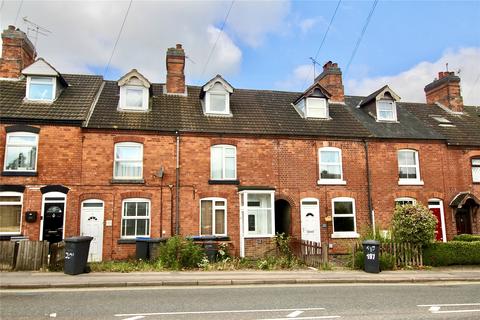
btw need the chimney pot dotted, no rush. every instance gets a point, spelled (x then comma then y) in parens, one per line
(446, 91)
(331, 80)
(179, 46)
(18, 52)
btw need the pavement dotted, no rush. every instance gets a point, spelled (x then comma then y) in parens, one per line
(45, 280)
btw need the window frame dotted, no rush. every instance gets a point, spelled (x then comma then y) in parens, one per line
(214, 207)
(123, 98)
(344, 234)
(475, 166)
(136, 217)
(405, 199)
(409, 181)
(223, 177)
(307, 108)
(127, 144)
(244, 213)
(10, 203)
(20, 133)
(212, 91)
(394, 110)
(327, 181)
(54, 88)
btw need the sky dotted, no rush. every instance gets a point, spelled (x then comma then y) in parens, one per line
(263, 44)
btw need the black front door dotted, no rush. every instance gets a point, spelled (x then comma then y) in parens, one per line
(462, 219)
(53, 222)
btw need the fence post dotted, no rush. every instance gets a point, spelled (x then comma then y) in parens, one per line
(324, 253)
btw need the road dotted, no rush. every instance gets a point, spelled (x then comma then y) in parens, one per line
(286, 302)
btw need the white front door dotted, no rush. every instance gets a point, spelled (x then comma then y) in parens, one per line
(310, 219)
(92, 225)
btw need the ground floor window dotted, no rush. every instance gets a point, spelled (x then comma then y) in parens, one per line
(344, 220)
(10, 212)
(135, 218)
(257, 212)
(213, 216)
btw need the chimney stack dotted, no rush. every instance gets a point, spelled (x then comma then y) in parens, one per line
(175, 70)
(446, 91)
(17, 53)
(331, 80)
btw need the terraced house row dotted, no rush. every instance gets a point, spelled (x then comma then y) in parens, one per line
(130, 158)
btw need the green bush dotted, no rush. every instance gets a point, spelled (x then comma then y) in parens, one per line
(414, 224)
(451, 253)
(386, 260)
(467, 237)
(180, 253)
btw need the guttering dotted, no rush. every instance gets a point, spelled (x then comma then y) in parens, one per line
(369, 192)
(177, 186)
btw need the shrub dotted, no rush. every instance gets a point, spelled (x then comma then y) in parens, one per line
(282, 242)
(467, 237)
(451, 253)
(180, 253)
(413, 223)
(387, 262)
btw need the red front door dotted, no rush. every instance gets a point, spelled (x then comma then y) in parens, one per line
(438, 229)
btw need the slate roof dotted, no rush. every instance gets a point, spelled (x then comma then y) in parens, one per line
(254, 112)
(73, 104)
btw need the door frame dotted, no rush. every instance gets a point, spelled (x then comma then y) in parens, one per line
(54, 194)
(442, 216)
(301, 216)
(103, 221)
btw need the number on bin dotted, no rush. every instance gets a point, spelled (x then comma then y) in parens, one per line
(69, 255)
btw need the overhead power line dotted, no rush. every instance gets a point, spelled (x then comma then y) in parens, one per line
(118, 37)
(218, 37)
(359, 40)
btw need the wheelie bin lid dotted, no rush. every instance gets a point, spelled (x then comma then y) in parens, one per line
(78, 239)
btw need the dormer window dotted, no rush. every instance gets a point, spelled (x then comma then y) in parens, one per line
(313, 103)
(386, 110)
(134, 92)
(44, 82)
(317, 108)
(215, 96)
(381, 105)
(41, 88)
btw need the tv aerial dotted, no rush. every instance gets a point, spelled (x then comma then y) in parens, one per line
(36, 30)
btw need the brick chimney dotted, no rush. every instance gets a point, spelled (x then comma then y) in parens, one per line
(445, 90)
(175, 68)
(17, 53)
(331, 79)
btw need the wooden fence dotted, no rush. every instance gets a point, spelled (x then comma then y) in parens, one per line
(7, 255)
(23, 255)
(405, 254)
(313, 254)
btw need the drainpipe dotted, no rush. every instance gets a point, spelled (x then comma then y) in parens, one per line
(369, 192)
(177, 187)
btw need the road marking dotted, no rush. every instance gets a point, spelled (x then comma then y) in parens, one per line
(434, 308)
(448, 305)
(294, 314)
(306, 318)
(456, 311)
(214, 312)
(135, 318)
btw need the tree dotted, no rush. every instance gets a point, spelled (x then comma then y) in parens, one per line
(414, 224)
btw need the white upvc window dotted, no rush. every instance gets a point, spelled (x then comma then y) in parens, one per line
(405, 200)
(223, 162)
(128, 161)
(257, 212)
(10, 212)
(476, 169)
(21, 152)
(330, 166)
(386, 110)
(135, 218)
(344, 218)
(408, 167)
(213, 216)
(217, 100)
(41, 88)
(134, 98)
(317, 108)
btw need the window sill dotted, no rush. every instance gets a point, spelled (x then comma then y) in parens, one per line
(233, 182)
(331, 182)
(126, 241)
(345, 235)
(127, 181)
(410, 182)
(20, 173)
(259, 236)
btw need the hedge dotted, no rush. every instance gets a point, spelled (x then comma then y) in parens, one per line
(450, 253)
(467, 237)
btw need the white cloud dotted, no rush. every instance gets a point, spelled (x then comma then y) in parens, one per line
(307, 24)
(300, 77)
(83, 33)
(410, 83)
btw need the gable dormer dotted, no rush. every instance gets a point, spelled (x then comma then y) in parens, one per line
(382, 104)
(134, 92)
(314, 103)
(44, 82)
(215, 95)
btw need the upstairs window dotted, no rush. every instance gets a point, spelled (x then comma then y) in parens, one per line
(317, 108)
(10, 212)
(128, 161)
(41, 88)
(408, 167)
(330, 161)
(213, 216)
(476, 169)
(217, 100)
(386, 110)
(134, 92)
(223, 162)
(21, 152)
